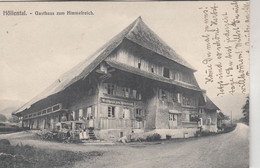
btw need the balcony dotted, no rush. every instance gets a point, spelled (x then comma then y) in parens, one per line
(49, 110)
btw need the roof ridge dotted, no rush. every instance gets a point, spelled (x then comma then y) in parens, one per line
(136, 23)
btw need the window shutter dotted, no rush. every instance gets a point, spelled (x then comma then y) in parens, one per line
(116, 112)
(105, 88)
(132, 114)
(120, 112)
(93, 111)
(104, 112)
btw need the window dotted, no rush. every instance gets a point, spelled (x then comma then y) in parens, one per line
(126, 92)
(178, 76)
(179, 97)
(77, 115)
(172, 117)
(56, 107)
(173, 75)
(139, 113)
(111, 111)
(209, 121)
(152, 67)
(163, 94)
(166, 72)
(188, 100)
(175, 97)
(139, 65)
(126, 113)
(111, 89)
(194, 118)
(134, 94)
(89, 114)
(49, 110)
(186, 116)
(138, 96)
(43, 111)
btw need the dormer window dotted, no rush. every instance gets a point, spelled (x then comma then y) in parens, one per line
(166, 72)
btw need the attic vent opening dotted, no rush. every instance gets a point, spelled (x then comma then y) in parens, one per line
(139, 65)
(166, 72)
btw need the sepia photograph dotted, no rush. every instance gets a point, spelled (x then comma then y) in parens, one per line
(124, 84)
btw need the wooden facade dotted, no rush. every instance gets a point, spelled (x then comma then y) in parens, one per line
(133, 89)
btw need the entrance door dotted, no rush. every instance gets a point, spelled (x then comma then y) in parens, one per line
(172, 120)
(90, 117)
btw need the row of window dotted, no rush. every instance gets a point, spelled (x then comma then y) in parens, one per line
(187, 100)
(44, 111)
(125, 114)
(185, 117)
(178, 76)
(206, 121)
(84, 113)
(169, 96)
(145, 65)
(113, 89)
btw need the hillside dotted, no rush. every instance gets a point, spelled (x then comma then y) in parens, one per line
(9, 106)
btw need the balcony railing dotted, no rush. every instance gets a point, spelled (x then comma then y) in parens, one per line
(52, 109)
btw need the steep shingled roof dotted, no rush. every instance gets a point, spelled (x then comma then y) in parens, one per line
(210, 105)
(138, 32)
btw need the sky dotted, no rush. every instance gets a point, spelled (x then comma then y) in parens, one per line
(36, 50)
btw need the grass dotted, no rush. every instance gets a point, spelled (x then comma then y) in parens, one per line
(30, 157)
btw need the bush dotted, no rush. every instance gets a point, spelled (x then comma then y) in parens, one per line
(229, 128)
(4, 142)
(153, 137)
(207, 133)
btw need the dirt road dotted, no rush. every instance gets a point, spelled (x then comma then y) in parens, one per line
(230, 150)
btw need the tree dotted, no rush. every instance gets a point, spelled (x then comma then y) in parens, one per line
(3, 118)
(13, 119)
(246, 111)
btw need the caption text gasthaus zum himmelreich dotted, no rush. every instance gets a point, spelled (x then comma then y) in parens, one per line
(45, 13)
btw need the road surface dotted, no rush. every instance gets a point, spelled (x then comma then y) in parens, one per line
(230, 150)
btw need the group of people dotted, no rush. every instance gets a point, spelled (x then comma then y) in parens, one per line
(83, 135)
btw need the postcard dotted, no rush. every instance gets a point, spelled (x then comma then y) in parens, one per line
(124, 84)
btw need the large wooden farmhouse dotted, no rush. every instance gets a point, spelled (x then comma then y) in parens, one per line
(135, 83)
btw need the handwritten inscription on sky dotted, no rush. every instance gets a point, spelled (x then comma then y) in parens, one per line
(226, 41)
